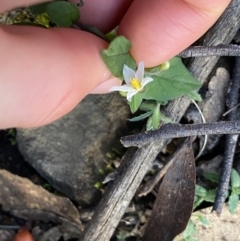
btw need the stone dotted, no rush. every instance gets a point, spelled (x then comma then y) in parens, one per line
(70, 152)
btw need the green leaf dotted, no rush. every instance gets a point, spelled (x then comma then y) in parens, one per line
(200, 191)
(237, 191)
(149, 125)
(213, 177)
(111, 35)
(148, 105)
(235, 179)
(136, 102)
(39, 8)
(203, 220)
(233, 202)
(172, 83)
(210, 197)
(141, 117)
(193, 95)
(63, 14)
(165, 119)
(117, 55)
(189, 231)
(156, 117)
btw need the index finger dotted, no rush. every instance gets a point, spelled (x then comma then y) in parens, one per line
(159, 30)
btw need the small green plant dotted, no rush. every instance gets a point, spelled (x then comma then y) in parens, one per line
(204, 195)
(235, 192)
(12, 136)
(148, 89)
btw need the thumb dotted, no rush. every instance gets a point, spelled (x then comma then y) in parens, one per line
(160, 29)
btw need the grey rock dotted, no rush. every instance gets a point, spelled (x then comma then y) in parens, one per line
(69, 152)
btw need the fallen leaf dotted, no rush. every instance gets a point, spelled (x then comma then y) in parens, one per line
(174, 203)
(21, 198)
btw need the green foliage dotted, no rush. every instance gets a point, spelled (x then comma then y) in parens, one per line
(136, 102)
(235, 180)
(202, 194)
(62, 13)
(235, 188)
(39, 8)
(213, 177)
(200, 191)
(188, 233)
(193, 95)
(174, 82)
(169, 80)
(147, 105)
(117, 55)
(142, 116)
(233, 202)
(203, 220)
(156, 116)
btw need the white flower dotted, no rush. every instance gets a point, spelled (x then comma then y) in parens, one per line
(135, 81)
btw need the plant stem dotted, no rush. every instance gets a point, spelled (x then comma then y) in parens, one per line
(176, 130)
(219, 50)
(231, 142)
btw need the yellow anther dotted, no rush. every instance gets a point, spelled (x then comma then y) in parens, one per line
(135, 84)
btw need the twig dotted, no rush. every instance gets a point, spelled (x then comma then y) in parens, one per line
(7, 227)
(231, 142)
(148, 187)
(115, 201)
(230, 110)
(176, 130)
(219, 50)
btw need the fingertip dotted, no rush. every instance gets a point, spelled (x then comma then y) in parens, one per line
(160, 30)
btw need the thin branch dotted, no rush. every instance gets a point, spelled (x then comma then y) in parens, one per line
(230, 110)
(219, 50)
(150, 184)
(169, 131)
(11, 227)
(231, 142)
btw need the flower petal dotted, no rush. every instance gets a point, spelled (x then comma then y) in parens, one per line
(130, 94)
(128, 74)
(124, 88)
(140, 71)
(146, 80)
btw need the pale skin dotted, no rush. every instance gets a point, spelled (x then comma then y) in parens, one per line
(44, 73)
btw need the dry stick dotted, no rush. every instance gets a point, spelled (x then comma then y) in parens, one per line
(136, 163)
(219, 50)
(231, 142)
(176, 130)
(150, 184)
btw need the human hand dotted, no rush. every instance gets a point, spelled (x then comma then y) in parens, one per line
(45, 73)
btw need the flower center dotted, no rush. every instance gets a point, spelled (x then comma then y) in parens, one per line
(135, 83)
